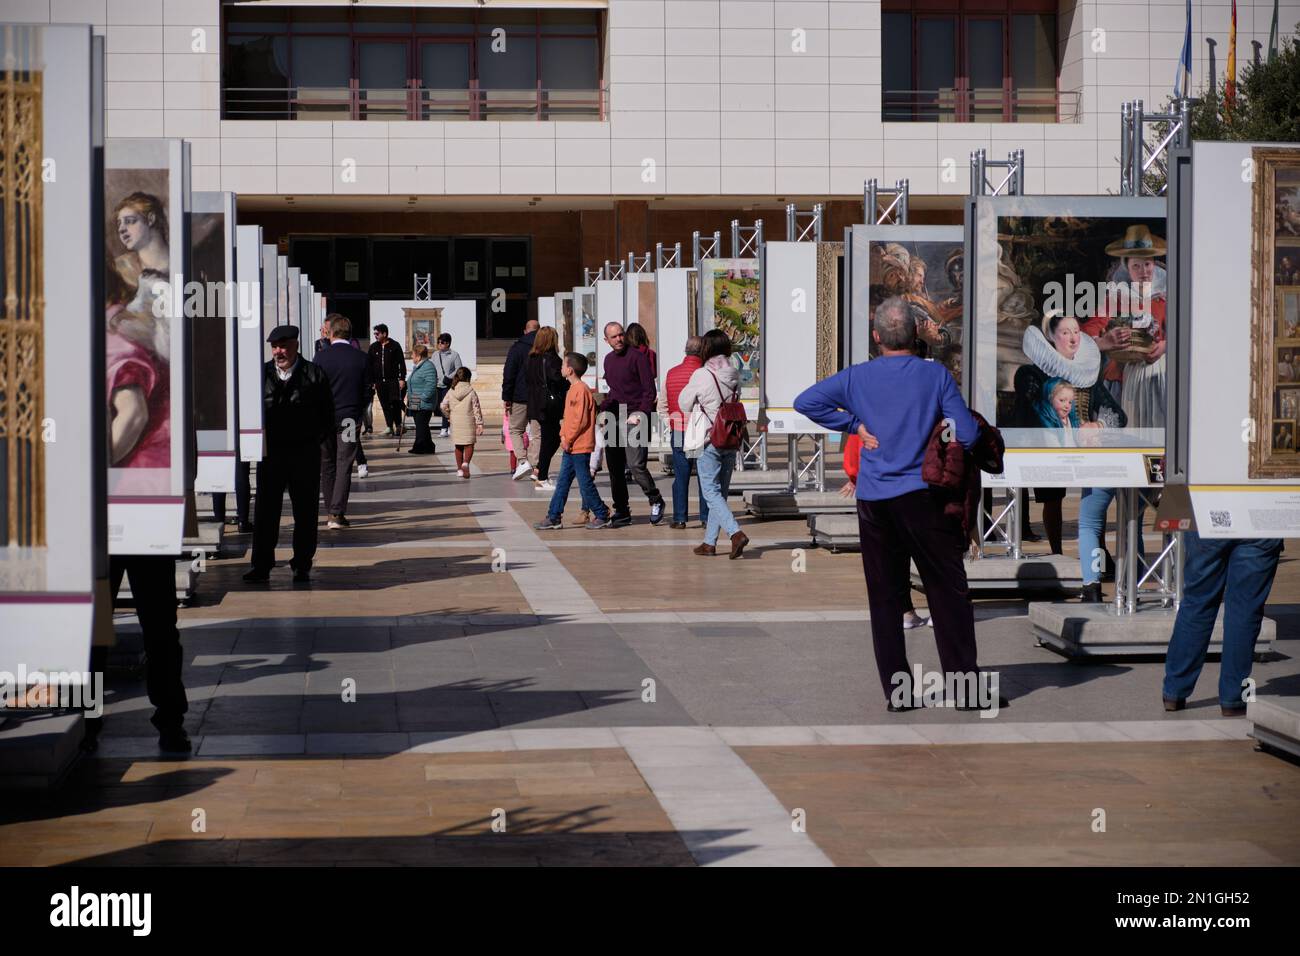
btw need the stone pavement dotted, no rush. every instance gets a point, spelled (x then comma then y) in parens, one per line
(456, 688)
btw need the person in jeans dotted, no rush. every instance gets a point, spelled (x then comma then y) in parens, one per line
(670, 412)
(421, 393)
(577, 442)
(445, 362)
(716, 381)
(1237, 573)
(543, 371)
(1093, 505)
(514, 399)
(895, 400)
(626, 411)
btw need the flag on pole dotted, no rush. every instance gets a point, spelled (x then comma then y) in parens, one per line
(1183, 73)
(1272, 36)
(1230, 84)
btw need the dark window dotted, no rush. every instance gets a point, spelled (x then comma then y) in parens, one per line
(988, 61)
(370, 62)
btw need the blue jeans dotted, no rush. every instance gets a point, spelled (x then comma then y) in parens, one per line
(682, 484)
(1235, 572)
(578, 466)
(1092, 527)
(715, 469)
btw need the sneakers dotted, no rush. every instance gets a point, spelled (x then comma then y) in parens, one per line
(620, 521)
(523, 469)
(363, 471)
(597, 524)
(445, 433)
(464, 471)
(546, 485)
(334, 524)
(548, 524)
(656, 512)
(343, 520)
(913, 620)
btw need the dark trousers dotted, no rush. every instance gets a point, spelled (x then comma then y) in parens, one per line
(336, 454)
(298, 472)
(438, 395)
(626, 451)
(914, 525)
(550, 427)
(243, 495)
(423, 436)
(361, 451)
(390, 400)
(153, 588)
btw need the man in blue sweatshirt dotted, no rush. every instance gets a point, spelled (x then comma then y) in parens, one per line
(894, 401)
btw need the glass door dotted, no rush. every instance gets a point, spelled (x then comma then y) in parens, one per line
(447, 91)
(382, 71)
(985, 71)
(935, 55)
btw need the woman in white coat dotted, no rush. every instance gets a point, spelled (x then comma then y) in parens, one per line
(708, 387)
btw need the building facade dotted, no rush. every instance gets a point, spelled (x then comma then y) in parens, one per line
(582, 130)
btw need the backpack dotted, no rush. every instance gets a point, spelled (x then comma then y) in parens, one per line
(729, 424)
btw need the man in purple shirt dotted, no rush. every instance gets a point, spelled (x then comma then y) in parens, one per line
(894, 401)
(631, 399)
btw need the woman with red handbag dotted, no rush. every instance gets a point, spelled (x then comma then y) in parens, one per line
(715, 424)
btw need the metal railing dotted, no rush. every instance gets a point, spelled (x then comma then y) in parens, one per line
(415, 103)
(996, 105)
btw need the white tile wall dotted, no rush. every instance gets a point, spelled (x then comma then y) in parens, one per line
(711, 90)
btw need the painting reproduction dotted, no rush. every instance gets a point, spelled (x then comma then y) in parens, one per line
(1081, 336)
(585, 306)
(208, 242)
(730, 302)
(138, 315)
(1275, 331)
(423, 326)
(928, 277)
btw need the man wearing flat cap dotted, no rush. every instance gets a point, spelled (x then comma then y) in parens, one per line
(299, 412)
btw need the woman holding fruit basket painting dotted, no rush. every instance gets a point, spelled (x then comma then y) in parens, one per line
(1134, 342)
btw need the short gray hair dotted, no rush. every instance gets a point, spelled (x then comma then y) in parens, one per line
(895, 324)
(694, 344)
(340, 326)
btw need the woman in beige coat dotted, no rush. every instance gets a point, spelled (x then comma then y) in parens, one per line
(461, 407)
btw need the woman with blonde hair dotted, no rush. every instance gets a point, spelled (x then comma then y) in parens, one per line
(546, 391)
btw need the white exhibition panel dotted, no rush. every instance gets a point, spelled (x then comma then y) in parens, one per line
(563, 301)
(584, 304)
(292, 297)
(546, 311)
(308, 327)
(1075, 468)
(270, 296)
(609, 308)
(673, 316)
(459, 320)
(249, 338)
(1218, 456)
(47, 589)
(146, 505)
(218, 448)
(789, 337)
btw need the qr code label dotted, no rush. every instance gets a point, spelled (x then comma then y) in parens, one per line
(1221, 519)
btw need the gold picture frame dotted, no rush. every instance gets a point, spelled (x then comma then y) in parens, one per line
(1275, 358)
(423, 326)
(829, 257)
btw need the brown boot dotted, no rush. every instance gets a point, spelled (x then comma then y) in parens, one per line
(738, 542)
(707, 550)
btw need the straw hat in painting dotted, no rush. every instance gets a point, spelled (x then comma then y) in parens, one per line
(1137, 242)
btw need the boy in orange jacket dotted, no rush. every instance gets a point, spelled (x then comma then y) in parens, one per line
(577, 441)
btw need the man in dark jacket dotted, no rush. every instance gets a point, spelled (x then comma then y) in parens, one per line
(514, 394)
(388, 373)
(348, 372)
(298, 411)
(630, 401)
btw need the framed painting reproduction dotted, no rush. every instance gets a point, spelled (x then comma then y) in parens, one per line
(150, 460)
(423, 326)
(52, 410)
(729, 300)
(252, 299)
(1275, 312)
(211, 307)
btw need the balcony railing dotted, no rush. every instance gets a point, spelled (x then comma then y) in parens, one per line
(416, 103)
(956, 105)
